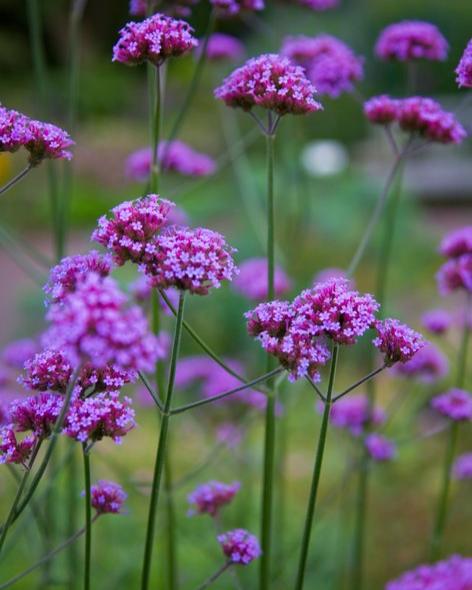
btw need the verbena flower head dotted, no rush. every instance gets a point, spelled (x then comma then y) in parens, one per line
(131, 226)
(382, 110)
(455, 274)
(47, 370)
(12, 449)
(411, 40)
(18, 352)
(457, 242)
(379, 447)
(229, 8)
(64, 277)
(208, 498)
(239, 546)
(462, 468)
(353, 414)
(428, 365)
(454, 573)
(329, 63)
(398, 342)
(222, 47)
(455, 404)
(437, 321)
(108, 378)
(107, 497)
(252, 279)
(103, 415)
(154, 39)
(318, 5)
(464, 69)
(36, 413)
(194, 260)
(271, 82)
(13, 126)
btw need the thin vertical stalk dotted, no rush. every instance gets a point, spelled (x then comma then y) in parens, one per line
(316, 474)
(88, 518)
(155, 126)
(360, 521)
(161, 449)
(171, 524)
(214, 577)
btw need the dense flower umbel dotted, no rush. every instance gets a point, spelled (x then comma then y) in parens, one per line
(382, 110)
(13, 450)
(154, 39)
(47, 370)
(379, 447)
(462, 468)
(271, 82)
(103, 415)
(455, 404)
(239, 546)
(410, 40)
(107, 497)
(36, 413)
(18, 352)
(353, 413)
(128, 232)
(329, 63)
(455, 274)
(398, 342)
(108, 378)
(457, 242)
(252, 279)
(428, 365)
(227, 8)
(194, 260)
(437, 321)
(454, 573)
(318, 5)
(464, 69)
(224, 47)
(209, 497)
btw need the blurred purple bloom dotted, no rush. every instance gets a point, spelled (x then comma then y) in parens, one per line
(454, 573)
(352, 413)
(457, 242)
(224, 47)
(464, 68)
(410, 40)
(252, 279)
(209, 497)
(437, 321)
(380, 448)
(463, 466)
(16, 353)
(229, 8)
(229, 434)
(455, 404)
(382, 110)
(428, 365)
(239, 546)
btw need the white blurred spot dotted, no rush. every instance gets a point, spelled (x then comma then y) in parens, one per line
(324, 158)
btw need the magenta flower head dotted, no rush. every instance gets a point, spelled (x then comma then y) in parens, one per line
(37, 413)
(380, 448)
(13, 128)
(108, 497)
(229, 8)
(154, 39)
(398, 342)
(382, 110)
(47, 370)
(271, 82)
(428, 365)
(138, 7)
(352, 413)
(464, 69)
(318, 5)
(457, 242)
(13, 450)
(455, 404)
(222, 47)
(131, 226)
(454, 573)
(455, 274)
(18, 352)
(411, 40)
(239, 546)
(437, 321)
(252, 279)
(194, 260)
(462, 468)
(208, 498)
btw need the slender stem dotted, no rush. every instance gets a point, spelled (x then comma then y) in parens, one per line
(360, 382)
(360, 520)
(215, 576)
(171, 522)
(316, 388)
(155, 122)
(316, 474)
(16, 179)
(152, 393)
(161, 448)
(88, 517)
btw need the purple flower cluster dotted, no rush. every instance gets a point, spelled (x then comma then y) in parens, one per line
(454, 573)
(437, 321)
(329, 63)
(428, 365)
(239, 546)
(229, 8)
(12, 449)
(353, 413)
(398, 342)
(271, 82)
(455, 404)
(154, 39)
(382, 110)
(41, 140)
(462, 468)
(252, 279)
(36, 413)
(380, 448)
(16, 353)
(47, 370)
(224, 47)
(464, 69)
(194, 260)
(456, 273)
(133, 224)
(107, 497)
(410, 40)
(208, 498)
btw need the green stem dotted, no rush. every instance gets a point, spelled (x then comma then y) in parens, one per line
(161, 449)
(171, 522)
(316, 474)
(72, 469)
(88, 517)
(155, 128)
(360, 521)
(367, 377)
(16, 179)
(215, 576)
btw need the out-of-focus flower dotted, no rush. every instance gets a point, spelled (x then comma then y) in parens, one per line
(331, 273)
(16, 353)
(107, 497)
(223, 47)
(210, 497)
(462, 468)
(13, 450)
(382, 110)
(464, 68)
(411, 40)
(141, 289)
(455, 274)
(380, 449)
(353, 413)
(239, 546)
(457, 242)
(455, 404)
(229, 8)
(428, 365)
(252, 279)
(180, 8)
(398, 342)
(437, 321)
(454, 573)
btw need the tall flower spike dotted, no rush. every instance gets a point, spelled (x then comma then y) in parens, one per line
(108, 497)
(239, 546)
(398, 342)
(411, 40)
(464, 69)
(210, 497)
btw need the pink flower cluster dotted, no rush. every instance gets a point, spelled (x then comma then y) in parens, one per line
(456, 273)
(455, 404)
(463, 466)
(195, 260)
(352, 413)
(252, 279)
(428, 365)
(410, 40)
(12, 449)
(382, 110)
(36, 413)
(329, 63)
(208, 498)
(154, 39)
(437, 321)
(47, 370)
(228, 8)
(380, 448)
(133, 224)
(464, 69)
(454, 573)
(272, 82)
(224, 47)
(398, 342)
(107, 497)
(41, 140)
(239, 546)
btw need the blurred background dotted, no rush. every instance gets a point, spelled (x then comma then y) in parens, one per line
(330, 170)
